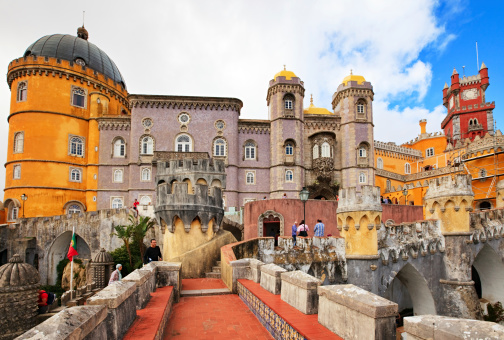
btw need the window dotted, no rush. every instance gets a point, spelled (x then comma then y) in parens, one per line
(119, 148)
(360, 108)
(22, 91)
(407, 168)
(118, 176)
(250, 177)
(75, 175)
(78, 97)
(315, 152)
(74, 209)
(482, 173)
(76, 146)
(184, 118)
(146, 175)
(429, 152)
(389, 185)
(183, 143)
(17, 171)
(289, 176)
(116, 202)
(145, 200)
(220, 147)
(326, 150)
(147, 146)
(19, 142)
(362, 177)
(362, 151)
(379, 163)
(14, 212)
(288, 102)
(250, 150)
(289, 149)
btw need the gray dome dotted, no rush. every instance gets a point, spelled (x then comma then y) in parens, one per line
(103, 257)
(16, 273)
(68, 47)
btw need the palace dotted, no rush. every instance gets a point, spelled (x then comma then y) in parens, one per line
(78, 141)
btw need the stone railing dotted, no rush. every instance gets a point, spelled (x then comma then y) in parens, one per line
(300, 291)
(435, 172)
(487, 225)
(391, 175)
(391, 147)
(109, 313)
(486, 143)
(409, 239)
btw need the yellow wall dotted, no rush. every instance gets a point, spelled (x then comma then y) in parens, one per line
(180, 242)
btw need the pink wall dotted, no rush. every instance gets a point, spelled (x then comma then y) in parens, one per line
(292, 210)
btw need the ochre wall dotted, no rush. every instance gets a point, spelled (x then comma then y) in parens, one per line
(179, 242)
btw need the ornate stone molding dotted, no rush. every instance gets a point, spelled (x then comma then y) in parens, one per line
(352, 92)
(166, 156)
(291, 88)
(392, 147)
(254, 126)
(486, 143)
(323, 167)
(186, 103)
(391, 175)
(322, 125)
(436, 172)
(115, 123)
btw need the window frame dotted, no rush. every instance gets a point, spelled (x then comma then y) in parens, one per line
(16, 171)
(182, 144)
(362, 152)
(287, 171)
(429, 152)
(289, 146)
(10, 213)
(145, 169)
(114, 179)
(122, 147)
(379, 163)
(74, 170)
(145, 196)
(253, 174)
(113, 198)
(362, 178)
(22, 91)
(82, 144)
(146, 143)
(315, 152)
(407, 168)
(250, 145)
(223, 147)
(83, 93)
(325, 147)
(73, 212)
(18, 136)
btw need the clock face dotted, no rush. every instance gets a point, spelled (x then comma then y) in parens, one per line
(451, 102)
(470, 94)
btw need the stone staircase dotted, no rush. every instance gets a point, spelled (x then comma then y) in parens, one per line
(216, 271)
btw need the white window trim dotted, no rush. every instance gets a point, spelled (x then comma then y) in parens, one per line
(142, 196)
(70, 169)
(360, 178)
(252, 147)
(378, 161)
(72, 96)
(285, 176)
(72, 205)
(254, 177)
(429, 150)
(114, 149)
(191, 143)
(289, 144)
(150, 174)
(16, 166)
(362, 152)
(11, 210)
(112, 198)
(328, 148)
(113, 175)
(215, 147)
(407, 168)
(25, 83)
(18, 133)
(142, 145)
(83, 139)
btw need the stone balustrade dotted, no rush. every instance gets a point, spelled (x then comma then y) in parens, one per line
(300, 291)
(270, 278)
(145, 281)
(354, 313)
(255, 270)
(168, 274)
(442, 327)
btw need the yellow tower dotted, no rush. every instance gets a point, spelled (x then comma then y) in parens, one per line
(61, 85)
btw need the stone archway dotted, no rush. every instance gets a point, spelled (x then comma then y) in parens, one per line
(59, 250)
(490, 274)
(267, 216)
(409, 289)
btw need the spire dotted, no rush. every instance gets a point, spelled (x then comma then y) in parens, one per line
(311, 99)
(445, 86)
(454, 71)
(483, 66)
(351, 72)
(284, 68)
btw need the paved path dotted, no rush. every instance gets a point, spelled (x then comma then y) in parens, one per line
(212, 317)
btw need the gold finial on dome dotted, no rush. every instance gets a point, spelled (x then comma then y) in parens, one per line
(351, 72)
(284, 73)
(353, 77)
(284, 68)
(311, 99)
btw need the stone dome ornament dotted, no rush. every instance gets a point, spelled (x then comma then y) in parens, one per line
(102, 266)
(17, 274)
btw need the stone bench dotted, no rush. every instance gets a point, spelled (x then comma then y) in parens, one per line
(442, 327)
(270, 278)
(300, 291)
(145, 284)
(354, 313)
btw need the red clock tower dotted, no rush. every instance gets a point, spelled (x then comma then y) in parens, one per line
(469, 115)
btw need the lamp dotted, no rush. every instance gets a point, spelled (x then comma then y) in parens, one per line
(23, 198)
(303, 196)
(405, 193)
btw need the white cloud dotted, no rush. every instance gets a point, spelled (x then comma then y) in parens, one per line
(233, 48)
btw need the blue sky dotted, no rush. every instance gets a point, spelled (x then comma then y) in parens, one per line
(225, 48)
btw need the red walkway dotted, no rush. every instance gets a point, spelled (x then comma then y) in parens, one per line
(197, 284)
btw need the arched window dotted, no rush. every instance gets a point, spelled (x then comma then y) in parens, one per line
(326, 150)
(147, 146)
(78, 97)
(117, 202)
(183, 144)
(475, 121)
(315, 152)
(360, 107)
(407, 168)
(362, 177)
(289, 176)
(250, 150)
(220, 147)
(73, 209)
(119, 148)
(118, 176)
(362, 151)
(289, 149)
(379, 163)
(19, 142)
(76, 146)
(482, 173)
(389, 185)
(289, 102)
(470, 122)
(13, 212)
(22, 91)
(146, 174)
(75, 175)
(250, 177)
(17, 171)
(145, 200)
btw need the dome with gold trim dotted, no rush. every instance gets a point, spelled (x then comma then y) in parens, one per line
(313, 110)
(284, 73)
(353, 77)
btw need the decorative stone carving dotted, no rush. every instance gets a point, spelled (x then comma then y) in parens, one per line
(103, 266)
(323, 167)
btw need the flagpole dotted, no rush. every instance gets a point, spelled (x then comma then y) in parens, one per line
(71, 265)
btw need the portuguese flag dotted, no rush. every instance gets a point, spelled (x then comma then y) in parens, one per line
(72, 251)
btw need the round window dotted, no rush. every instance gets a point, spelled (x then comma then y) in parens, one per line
(219, 124)
(184, 118)
(80, 61)
(147, 123)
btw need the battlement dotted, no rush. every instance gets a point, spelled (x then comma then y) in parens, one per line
(212, 171)
(400, 241)
(448, 186)
(487, 225)
(78, 218)
(392, 147)
(368, 199)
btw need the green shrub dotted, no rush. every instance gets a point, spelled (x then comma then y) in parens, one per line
(120, 255)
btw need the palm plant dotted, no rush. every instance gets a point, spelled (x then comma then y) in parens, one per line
(140, 230)
(125, 232)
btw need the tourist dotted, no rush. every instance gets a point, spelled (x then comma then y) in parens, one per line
(284, 195)
(264, 198)
(116, 274)
(381, 200)
(153, 253)
(319, 228)
(303, 229)
(294, 232)
(45, 299)
(135, 207)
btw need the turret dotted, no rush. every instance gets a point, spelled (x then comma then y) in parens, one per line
(483, 72)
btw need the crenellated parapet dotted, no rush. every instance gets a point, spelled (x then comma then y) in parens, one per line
(487, 225)
(204, 171)
(410, 239)
(368, 198)
(450, 200)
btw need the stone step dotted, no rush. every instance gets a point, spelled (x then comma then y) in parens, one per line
(216, 269)
(213, 275)
(218, 263)
(205, 292)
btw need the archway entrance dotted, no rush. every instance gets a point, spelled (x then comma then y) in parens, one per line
(59, 250)
(410, 291)
(270, 223)
(488, 275)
